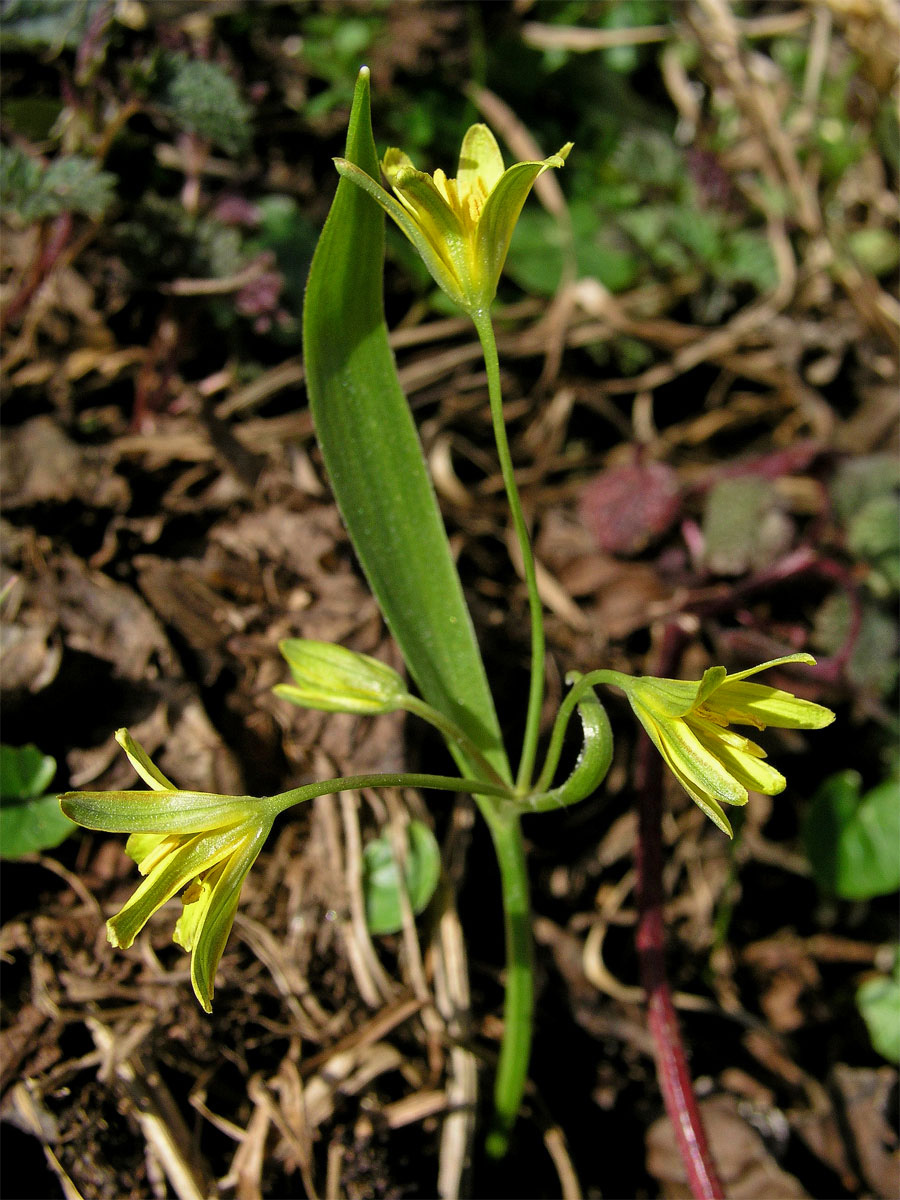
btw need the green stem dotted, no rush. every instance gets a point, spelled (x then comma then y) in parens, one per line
(350, 783)
(449, 728)
(518, 1001)
(485, 330)
(580, 686)
(518, 1005)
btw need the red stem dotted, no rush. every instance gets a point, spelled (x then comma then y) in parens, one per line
(671, 1059)
(48, 253)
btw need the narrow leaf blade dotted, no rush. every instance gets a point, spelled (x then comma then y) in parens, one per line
(374, 459)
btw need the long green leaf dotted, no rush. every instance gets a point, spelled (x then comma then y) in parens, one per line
(374, 459)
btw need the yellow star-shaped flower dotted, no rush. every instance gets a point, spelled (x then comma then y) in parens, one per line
(688, 723)
(461, 227)
(196, 841)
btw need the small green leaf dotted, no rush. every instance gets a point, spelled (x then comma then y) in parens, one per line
(743, 525)
(858, 480)
(746, 258)
(873, 660)
(24, 772)
(878, 1000)
(876, 250)
(873, 533)
(29, 821)
(852, 842)
(32, 826)
(58, 24)
(31, 117)
(78, 185)
(203, 99)
(381, 877)
(68, 184)
(537, 251)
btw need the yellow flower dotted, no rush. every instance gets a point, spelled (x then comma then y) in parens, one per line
(197, 841)
(688, 723)
(461, 227)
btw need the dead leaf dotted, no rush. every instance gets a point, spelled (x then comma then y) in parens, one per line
(40, 464)
(747, 1169)
(866, 1092)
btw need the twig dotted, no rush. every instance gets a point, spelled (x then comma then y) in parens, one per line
(219, 287)
(671, 1059)
(580, 40)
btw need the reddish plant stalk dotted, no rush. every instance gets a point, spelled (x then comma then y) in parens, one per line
(671, 1060)
(50, 250)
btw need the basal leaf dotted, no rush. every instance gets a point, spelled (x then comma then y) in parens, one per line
(374, 459)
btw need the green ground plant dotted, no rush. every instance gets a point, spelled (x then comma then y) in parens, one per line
(204, 845)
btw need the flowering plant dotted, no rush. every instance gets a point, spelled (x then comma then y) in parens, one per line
(206, 844)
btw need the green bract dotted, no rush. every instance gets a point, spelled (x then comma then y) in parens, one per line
(334, 679)
(201, 842)
(461, 227)
(688, 723)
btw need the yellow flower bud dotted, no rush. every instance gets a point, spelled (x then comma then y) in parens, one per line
(335, 679)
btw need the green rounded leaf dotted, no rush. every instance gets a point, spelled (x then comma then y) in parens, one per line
(381, 877)
(24, 772)
(32, 826)
(852, 842)
(29, 821)
(878, 1000)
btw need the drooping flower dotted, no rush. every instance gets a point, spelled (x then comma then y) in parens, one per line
(461, 227)
(196, 841)
(688, 722)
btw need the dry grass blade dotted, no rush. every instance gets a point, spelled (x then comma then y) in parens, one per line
(380, 1025)
(453, 1000)
(245, 1175)
(273, 953)
(157, 1114)
(374, 984)
(582, 41)
(569, 1187)
(551, 591)
(29, 1115)
(345, 1074)
(412, 962)
(415, 1108)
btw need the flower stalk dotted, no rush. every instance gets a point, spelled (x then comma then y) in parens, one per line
(485, 330)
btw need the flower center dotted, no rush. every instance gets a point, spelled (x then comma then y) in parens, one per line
(468, 203)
